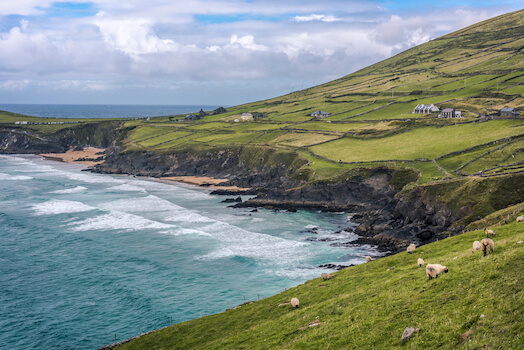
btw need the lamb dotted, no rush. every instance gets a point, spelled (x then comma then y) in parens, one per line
(520, 218)
(476, 246)
(433, 270)
(411, 248)
(487, 245)
(326, 276)
(420, 262)
(368, 258)
(489, 232)
(295, 303)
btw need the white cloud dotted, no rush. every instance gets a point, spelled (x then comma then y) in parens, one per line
(322, 18)
(133, 36)
(247, 42)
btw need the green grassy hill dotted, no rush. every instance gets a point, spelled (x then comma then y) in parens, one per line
(477, 70)
(479, 304)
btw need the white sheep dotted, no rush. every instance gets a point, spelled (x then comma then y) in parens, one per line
(295, 303)
(487, 245)
(433, 270)
(420, 262)
(368, 258)
(489, 232)
(411, 248)
(476, 246)
(520, 218)
(326, 276)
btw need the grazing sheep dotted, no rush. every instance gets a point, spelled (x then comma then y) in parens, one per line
(487, 245)
(326, 276)
(476, 246)
(368, 258)
(295, 303)
(420, 262)
(411, 248)
(433, 270)
(489, 232)
(520, 218)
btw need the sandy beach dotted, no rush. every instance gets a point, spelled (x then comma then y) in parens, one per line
(204, 181)
(74, 156)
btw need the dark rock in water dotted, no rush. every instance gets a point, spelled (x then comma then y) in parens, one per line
(205, 185)
(323, 239)
(313, 230)
(335, 267)
(233, 200)
(254, 210)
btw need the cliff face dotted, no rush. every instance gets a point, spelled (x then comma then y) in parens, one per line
(93, 134)
(232, 164)
(19, 142)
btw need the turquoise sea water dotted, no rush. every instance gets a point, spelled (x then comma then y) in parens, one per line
(86, 256)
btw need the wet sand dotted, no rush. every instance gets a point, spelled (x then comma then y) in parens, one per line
(206, 181)
(74, 156)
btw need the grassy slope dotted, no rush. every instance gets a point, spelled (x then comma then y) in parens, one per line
(479, 69)
(368, 306)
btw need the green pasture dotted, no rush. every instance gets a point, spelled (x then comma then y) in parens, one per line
(424, 142)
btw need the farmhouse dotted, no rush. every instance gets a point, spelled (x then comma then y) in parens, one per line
(509, 112)
(425, 109)
(450, 113)
(320, 114)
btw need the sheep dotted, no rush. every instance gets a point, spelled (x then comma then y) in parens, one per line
(476, 246)
(489, 232)
(433, 270)
(411, 248)
(368, 258)
(326, 276)
(487, 245)
(520, 218)
(295, 303)
(420, 262)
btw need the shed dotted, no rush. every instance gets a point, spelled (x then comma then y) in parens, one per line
(509, 112)
(320, 114)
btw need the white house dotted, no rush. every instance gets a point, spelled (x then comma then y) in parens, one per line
(320, 114)
(425, 109)
(450, 113)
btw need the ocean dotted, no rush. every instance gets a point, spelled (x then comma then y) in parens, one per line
(102, 111)
(85, 256)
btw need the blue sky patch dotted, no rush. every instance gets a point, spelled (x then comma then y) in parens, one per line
(70, 10)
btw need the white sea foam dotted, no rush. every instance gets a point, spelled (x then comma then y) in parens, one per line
(126, 187)
(77, 189)
(56, 206)
(236, 241)
(8, 177)
(174, 213)
(91, 178)
(117, 220)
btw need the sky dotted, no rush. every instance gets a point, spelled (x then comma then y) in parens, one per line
(211, 52)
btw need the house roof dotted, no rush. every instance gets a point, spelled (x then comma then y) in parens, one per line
(507, 109)
(447, 110)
